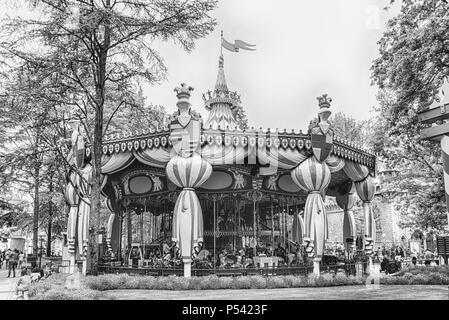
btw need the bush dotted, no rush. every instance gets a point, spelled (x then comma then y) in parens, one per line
(324, 280)
(415, 270)
(226, 283)
(438, 278)
(419, 275)
(258, 282)
(242, 282)
(147, 283)
(341, 279)
(276, 282)
(389, 279)
(211, 282)
(292, 281)
(181, 283)
(420, 279)
(82, 294)
(165, 283)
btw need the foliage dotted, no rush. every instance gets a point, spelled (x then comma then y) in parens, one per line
(64, 294)
(212, 282)
(53, 287)
(350, 129)
(240, 117)
(414, 270)
(96, 53)
(412, 66)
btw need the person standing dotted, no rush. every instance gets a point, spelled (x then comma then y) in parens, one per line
(13, 259)
(7, 256)
(21, 258)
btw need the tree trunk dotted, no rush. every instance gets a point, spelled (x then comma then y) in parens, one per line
(100, 88)
(36, 208)
(50, 216)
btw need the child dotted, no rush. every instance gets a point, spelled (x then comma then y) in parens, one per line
(23, 285)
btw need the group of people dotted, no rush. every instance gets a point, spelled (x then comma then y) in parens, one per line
(27, 277)
(228, 257)
(13, 259)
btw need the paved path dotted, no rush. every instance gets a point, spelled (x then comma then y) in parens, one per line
(7, 285)
(393, 292)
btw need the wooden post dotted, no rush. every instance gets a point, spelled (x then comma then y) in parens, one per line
(445, 155)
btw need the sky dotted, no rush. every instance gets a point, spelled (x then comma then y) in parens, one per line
(304, 49)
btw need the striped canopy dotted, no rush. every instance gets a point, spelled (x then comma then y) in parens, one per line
(366, 189)
(346, 202)
(187, 223)
(188, 172)
(312, 175)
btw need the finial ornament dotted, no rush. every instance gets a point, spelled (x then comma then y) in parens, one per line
(183, 92)
(324, 101)
(183, 104)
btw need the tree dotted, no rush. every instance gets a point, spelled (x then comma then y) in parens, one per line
(136, 117)
(33, 128)
(350, 129)
(411, 68)
(97, 47)
(240, 117)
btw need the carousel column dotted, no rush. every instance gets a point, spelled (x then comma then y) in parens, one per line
(72, 199)
(365, 190)
(188, 173)
(109, 226)
(346, 202)
(84, 215)
(255, 196)
(314, 177)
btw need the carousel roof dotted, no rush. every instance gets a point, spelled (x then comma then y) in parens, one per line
(220, 130)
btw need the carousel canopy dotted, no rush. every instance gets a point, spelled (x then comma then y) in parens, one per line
(239, 157)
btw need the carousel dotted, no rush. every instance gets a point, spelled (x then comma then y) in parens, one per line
(207, 189)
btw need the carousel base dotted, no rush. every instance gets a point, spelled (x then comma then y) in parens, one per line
(263, 271)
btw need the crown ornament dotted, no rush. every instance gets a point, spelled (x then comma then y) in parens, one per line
(184, 91)
(183, 95)
(324, 101)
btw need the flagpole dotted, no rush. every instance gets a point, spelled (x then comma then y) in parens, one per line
(221, 43)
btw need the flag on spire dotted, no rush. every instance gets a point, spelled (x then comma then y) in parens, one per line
(238, 44)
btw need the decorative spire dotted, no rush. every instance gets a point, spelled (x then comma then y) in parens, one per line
(221, 85)
(221, 102)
